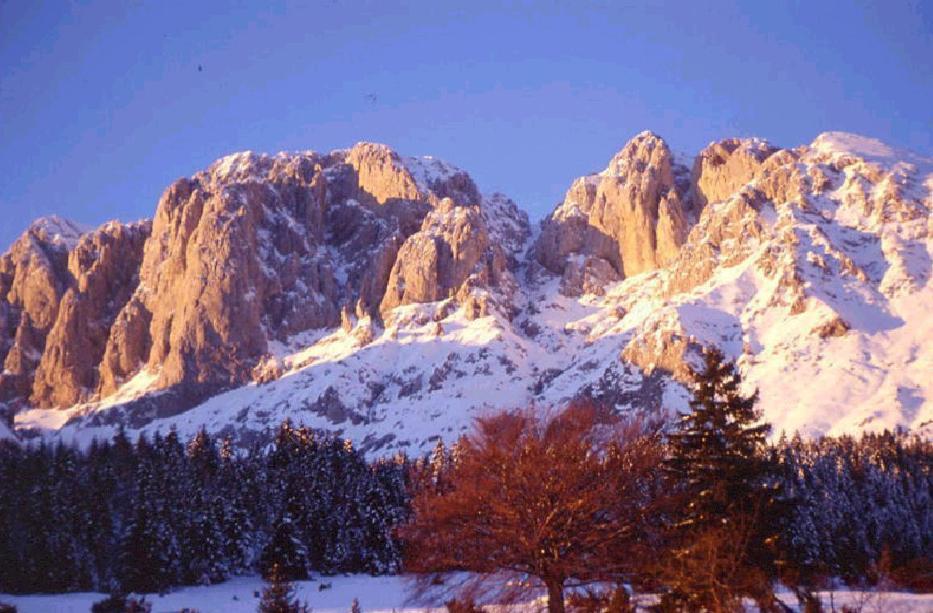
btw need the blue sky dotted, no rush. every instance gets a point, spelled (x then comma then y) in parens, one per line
(102, 104)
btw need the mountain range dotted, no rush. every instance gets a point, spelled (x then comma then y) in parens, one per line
(387, 299)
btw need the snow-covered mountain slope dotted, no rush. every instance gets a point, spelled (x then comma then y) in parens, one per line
(432, 303)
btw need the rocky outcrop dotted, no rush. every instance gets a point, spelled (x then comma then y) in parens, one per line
(241, 254)
(724, 167)
(585, 274)
(336, 282)
(632, 215)
(127, 347)
(381, 174)
(434, 263)
(256, 248)
(33, 278)
(103, 272)
(387, 177)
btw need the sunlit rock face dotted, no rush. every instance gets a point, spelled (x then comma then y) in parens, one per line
(388, 299)
(252, 250)
(633, 215)
(103, 272)
(33, 278)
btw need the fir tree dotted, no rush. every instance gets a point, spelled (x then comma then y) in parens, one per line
(285, 552)
(717, 449)
(203, 455)
(279, 595)
(150, 554)
(722, 540)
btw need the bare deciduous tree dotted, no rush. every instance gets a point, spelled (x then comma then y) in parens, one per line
(554, 502)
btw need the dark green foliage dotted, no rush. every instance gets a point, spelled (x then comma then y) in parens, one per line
(859, 505)
(157, 514)
(717, 450)
(279, 595)
(721, 541)
(285, 555)
(120, 603)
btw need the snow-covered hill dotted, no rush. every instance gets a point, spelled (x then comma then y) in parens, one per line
(386, 299)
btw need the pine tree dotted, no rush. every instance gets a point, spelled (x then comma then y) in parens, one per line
(150, 553)
(159, 513)
(285, 552)
(279, 595)
(723, 539)
(205, 555)
(717, 449)
(203, 455)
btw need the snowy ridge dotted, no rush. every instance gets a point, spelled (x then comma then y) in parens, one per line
(428, 170)
(58, 230)
(815, 276)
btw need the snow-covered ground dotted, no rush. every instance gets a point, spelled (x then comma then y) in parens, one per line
(388, 593)
(241, 594)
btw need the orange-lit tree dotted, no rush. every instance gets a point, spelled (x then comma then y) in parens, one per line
(537, 502)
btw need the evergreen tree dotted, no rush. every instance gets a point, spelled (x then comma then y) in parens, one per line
(723, 539)
(279, 595)
(203, 456)
(205, 556)
(717, 450)
(285, 552)
(149, 558)
(160, 513)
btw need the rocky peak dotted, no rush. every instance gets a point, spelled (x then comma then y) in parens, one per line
(252, 250)
(104, 271)
(368, 289)
(380, 172)
(453, 246)
(60, 287)
(645, 151)
(632, 215)
(56, 230)
(33, 277)
(723, 167)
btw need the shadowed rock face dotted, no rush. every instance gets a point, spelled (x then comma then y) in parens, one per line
(253, 249)
(632, 215)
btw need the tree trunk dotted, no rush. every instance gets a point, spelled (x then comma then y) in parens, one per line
(555, 596)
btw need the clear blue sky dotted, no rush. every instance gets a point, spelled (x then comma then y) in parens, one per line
(102, 104)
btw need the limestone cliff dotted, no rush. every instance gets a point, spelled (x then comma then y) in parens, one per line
(633, 216)
(387, 298)
(103, 270)
(33, 277)
(248, 252)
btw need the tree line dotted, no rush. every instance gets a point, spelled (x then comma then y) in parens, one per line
(703, 512)
(148, 515)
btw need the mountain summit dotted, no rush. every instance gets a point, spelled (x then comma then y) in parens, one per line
(386, 298)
